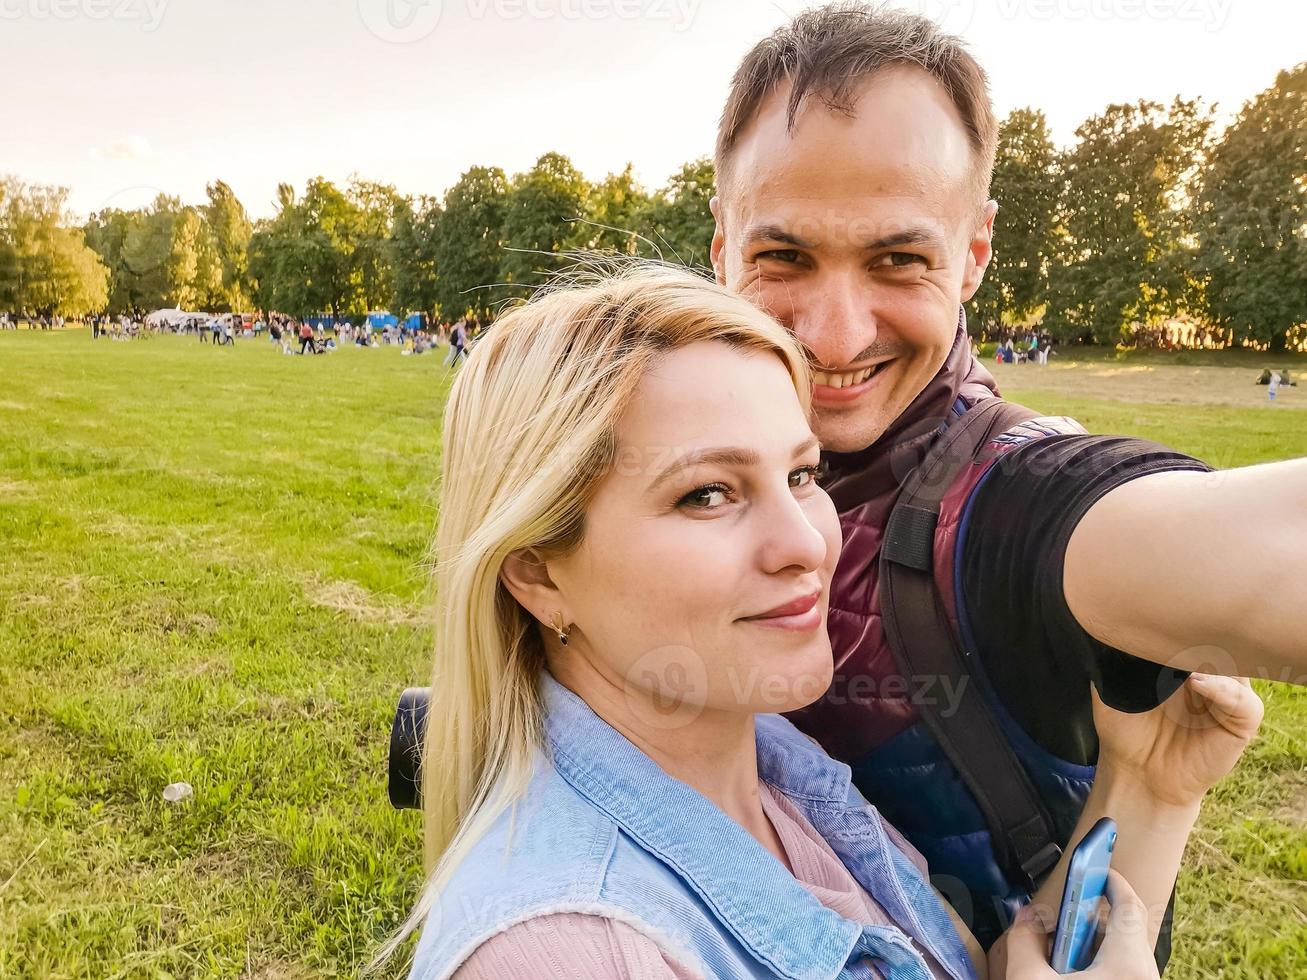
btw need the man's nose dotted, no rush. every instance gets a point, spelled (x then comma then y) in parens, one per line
(835, 320)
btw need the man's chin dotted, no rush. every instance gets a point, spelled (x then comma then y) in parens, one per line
(848, 430)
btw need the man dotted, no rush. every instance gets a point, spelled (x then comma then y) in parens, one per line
(853, 164)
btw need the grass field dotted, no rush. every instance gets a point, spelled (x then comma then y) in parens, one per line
(211, 570)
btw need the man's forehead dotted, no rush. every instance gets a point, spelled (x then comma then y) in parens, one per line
(903, 142)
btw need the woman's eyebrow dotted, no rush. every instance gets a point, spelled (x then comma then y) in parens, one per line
(723, 456)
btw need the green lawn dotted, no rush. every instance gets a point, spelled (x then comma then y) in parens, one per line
(211, 570)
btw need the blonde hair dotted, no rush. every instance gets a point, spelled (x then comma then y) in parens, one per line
(528, 435)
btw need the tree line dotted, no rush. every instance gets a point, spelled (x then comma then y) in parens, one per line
(1148, 217)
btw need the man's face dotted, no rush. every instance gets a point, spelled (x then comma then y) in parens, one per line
(861, 234)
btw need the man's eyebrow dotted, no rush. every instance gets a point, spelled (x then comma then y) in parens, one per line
(725, 456)
(909, 236)
(773, 233)
(777, 233)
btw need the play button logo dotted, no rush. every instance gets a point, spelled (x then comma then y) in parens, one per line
(400, 21)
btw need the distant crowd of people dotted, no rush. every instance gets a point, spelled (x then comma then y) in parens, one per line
(295, 336)
(1027, 347)
(116, 327)
(9, 321)
(291, 335)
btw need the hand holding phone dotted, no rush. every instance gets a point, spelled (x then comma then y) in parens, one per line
(1126, 953)
(1086, 884)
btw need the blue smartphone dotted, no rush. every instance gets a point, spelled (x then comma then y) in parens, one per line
(1086, 883)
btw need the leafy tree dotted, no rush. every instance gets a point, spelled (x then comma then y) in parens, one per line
(542, 207)
(148, 252)
(330, 225)
(1123, 255)
(230, 229)
(1015, 287)
(469, 249)
(617, 213)
(106, 232)
(171, 257)
(46, 267)
(279, 259)
(1252, 217)
(680, 223)
(414, 240)
(374, 207)
(306, 259)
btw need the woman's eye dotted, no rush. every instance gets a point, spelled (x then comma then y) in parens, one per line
(899, 260)
(806, 475)
(705, 498)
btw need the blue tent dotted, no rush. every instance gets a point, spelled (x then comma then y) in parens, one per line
(416, 321)
(382, 319)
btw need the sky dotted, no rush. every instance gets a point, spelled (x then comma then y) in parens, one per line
(121, 99)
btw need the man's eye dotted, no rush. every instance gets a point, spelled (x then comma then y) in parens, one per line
(788, 255)
(898, 260)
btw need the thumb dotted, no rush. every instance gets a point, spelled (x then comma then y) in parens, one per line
(1127, 949)
(1231, 701)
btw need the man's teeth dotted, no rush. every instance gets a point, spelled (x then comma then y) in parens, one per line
(843, 379)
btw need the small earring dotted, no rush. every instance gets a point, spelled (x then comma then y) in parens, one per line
(558, 628)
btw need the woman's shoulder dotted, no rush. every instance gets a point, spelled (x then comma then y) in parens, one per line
(555, 860)
(574, 946)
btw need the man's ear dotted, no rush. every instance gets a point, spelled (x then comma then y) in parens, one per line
(525, 575)
(718, 240)
(979, 251)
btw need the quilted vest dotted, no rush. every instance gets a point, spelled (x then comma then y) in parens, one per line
(866, 718)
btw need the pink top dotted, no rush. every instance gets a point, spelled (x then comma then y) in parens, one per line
(576, 946)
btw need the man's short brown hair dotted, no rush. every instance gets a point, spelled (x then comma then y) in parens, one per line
(826, 52)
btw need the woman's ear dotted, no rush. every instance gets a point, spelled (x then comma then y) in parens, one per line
(525, 574)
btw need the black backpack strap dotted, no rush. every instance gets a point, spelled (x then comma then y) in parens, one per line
(924, 644)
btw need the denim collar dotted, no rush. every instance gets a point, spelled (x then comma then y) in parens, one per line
(738, 879)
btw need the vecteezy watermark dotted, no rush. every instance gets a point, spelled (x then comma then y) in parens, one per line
(406, 21)
(954, 16)
(400, 21)
(148, 13)
(1211, 14)
(679, 13)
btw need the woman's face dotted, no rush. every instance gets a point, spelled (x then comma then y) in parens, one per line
(704, 573)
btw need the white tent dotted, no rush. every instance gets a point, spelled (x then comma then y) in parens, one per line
(174, 317)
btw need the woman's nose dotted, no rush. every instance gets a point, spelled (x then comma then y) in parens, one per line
(788, 538)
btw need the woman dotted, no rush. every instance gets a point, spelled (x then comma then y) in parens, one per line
(633, 567)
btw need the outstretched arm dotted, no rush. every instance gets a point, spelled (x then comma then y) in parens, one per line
(1199, 571)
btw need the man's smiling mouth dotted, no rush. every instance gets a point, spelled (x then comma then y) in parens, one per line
(845, 379)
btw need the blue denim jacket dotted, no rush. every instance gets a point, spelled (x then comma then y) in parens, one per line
(602, 829)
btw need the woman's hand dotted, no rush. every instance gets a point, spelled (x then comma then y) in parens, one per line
(1126, 953)
(1182, 748)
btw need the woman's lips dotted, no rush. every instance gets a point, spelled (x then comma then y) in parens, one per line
(800, 615)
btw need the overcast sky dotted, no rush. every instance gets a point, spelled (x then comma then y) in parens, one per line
(118, 99)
